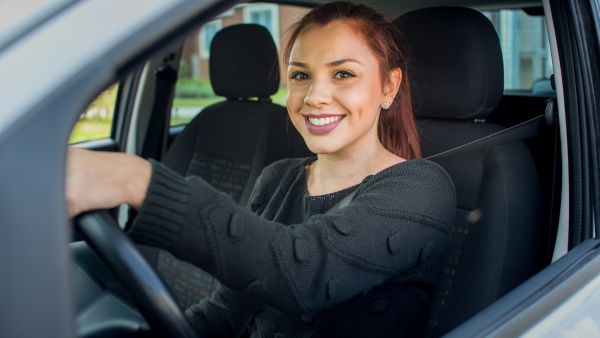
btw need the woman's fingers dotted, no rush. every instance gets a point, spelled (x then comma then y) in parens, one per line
(102, 180)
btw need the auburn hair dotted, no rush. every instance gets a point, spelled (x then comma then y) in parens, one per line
(397, 129)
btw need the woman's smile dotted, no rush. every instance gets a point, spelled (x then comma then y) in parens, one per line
(323, 123)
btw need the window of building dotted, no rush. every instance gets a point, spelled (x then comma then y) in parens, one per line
(95, 122)
(208, 32)
(525, 50)
(266, 15)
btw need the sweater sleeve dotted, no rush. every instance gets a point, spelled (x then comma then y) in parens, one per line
(225, 313)
(395, 223)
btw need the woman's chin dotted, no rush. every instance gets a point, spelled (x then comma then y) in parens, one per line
(321, 149)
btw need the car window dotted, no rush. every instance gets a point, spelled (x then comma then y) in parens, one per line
(525, 51)
(95, 122)
(193, 91)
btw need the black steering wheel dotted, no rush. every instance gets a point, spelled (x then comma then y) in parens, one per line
(116, 250)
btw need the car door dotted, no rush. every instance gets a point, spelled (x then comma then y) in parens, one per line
(52, 67)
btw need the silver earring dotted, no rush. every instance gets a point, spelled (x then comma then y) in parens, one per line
(385, 105)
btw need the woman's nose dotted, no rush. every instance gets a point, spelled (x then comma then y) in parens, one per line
(318, 94)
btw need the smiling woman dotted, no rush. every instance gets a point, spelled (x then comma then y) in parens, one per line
(324, 238)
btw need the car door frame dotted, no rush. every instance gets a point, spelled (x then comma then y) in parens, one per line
(37, 119)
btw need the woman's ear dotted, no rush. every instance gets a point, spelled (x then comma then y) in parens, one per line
(392, 84)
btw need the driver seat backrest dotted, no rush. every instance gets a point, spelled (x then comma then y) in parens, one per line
(456, 73)
(230, 142)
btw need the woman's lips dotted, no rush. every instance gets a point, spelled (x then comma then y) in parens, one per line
(322, 124)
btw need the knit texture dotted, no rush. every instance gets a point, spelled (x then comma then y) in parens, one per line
(288, 267)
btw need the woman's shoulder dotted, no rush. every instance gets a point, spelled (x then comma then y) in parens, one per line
(417, 171)
(414, 187)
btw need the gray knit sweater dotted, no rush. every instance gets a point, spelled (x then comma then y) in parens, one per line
(290, 268)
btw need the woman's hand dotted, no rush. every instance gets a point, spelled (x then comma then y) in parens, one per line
(102, 180)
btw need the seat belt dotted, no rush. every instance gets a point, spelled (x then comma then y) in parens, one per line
(342, 203)
(521, 131)
(154, 142)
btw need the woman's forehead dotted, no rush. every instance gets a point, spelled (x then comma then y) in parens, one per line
(337, 40)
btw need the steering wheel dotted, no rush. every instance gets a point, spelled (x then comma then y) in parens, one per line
(148, 292)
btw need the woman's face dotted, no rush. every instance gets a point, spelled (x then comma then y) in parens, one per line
(334, 89)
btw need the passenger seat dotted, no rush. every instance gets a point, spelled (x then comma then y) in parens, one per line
(456, 72)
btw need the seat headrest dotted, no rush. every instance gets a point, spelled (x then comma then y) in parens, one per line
(455, 62)
(244, 62)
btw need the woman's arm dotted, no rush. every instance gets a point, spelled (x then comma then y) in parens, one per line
(396, 224)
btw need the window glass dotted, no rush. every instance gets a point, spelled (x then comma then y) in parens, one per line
(266, 15)
(525, 51)
(262, 17)
(96, 121)
(208, 32)
(193, 90)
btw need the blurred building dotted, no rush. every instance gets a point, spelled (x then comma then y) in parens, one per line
(524, 41)
(275, 18)
(523, 37)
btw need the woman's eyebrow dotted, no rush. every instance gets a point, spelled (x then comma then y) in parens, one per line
(342, 61)
(298, 64)
(329, 64)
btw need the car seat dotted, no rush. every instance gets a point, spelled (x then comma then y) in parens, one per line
(230, 142)
(456, 73)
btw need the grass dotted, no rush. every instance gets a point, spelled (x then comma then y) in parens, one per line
(196, 101)
(89, 129)
(91, 126)
(278, 98)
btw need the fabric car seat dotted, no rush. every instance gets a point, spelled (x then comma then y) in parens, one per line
(456, 73)
(230, 142)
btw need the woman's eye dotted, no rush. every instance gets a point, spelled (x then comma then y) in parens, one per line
(299, 76)
(343, 75)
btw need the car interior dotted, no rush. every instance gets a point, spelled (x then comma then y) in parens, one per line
(508, 188)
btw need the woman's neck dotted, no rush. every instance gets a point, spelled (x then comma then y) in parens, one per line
(337, 171)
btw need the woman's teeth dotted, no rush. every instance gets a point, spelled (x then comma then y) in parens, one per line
(321, 121)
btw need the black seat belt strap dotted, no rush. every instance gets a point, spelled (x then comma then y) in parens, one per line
(521, 131)
(155, 139)
(342, 203)
(156, 134)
